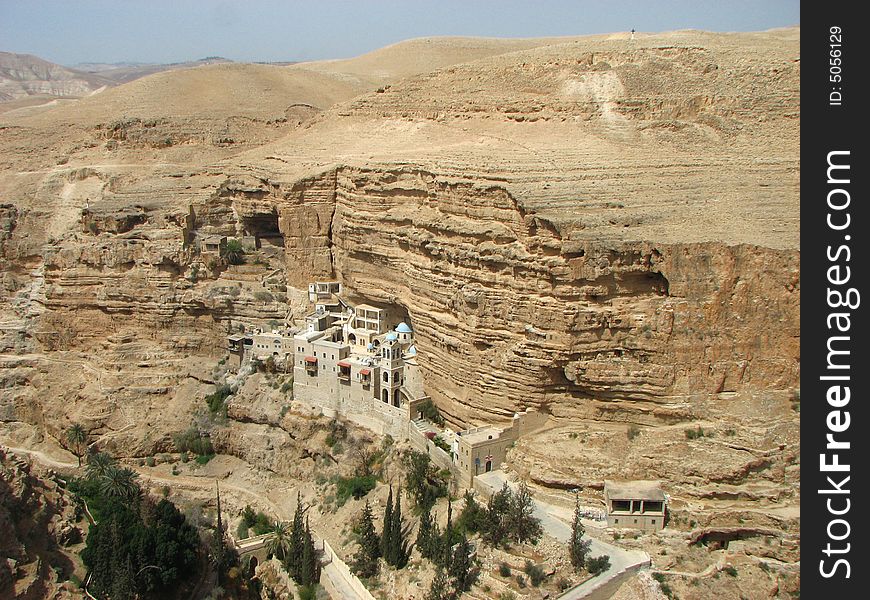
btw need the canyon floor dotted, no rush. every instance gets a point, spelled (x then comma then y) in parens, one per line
(601, 228)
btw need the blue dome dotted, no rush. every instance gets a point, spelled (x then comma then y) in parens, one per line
(412, 351)
(403, 328)
(391, 337)
(370, 346)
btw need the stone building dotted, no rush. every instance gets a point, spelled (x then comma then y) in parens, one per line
(261, 345)
(635, 504)
(484, 449)
(213, 244)
(348, 362)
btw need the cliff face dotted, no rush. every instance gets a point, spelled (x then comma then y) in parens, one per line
(604, 231)
(510, 314)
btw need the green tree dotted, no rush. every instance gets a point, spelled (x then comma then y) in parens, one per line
(578, 548)
(428, 535)
(233, 252)
(423, 480)
(522, 523)
(462, 569)
(77, 438)
(224, 556)
(120, 483)
(399, 545)
(440, 588)
(293, 563)
(365, 563)
(387, 529)
(279, 543)
(473, 517)
(310, 567)
(497, 509)
(598, 564)
(98, 465)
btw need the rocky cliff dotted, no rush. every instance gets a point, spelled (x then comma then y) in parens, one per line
(602, 228)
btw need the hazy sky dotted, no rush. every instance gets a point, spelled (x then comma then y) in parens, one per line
(73, 31)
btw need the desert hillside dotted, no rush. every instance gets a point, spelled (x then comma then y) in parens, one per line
(601, 228)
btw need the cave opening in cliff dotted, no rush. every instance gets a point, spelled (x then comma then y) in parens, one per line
(263, 227)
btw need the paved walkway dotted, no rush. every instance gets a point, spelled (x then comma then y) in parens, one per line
(553, 520)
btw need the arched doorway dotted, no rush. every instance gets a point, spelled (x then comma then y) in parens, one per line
(397, 400)
(385, 395)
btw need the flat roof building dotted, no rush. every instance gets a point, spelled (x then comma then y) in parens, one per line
(635, 504)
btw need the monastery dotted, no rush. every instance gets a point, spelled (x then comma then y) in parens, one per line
(355, 363)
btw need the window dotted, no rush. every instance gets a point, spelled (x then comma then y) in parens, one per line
(616, 520)
(386, 377)
(653, 521)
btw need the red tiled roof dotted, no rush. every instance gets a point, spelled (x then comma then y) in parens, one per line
(365, 372)
(344, 364)
(311, 359)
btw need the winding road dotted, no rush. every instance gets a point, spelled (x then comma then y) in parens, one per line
(622, 562)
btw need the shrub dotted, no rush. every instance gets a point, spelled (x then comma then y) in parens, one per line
(597, 565)
(521, 581)
(193, 441)
(430, 411)
(150, 462)
(535, 573)
(242, 530)
(563, 584)
(353, 486)
(203, 459)
(308, 592)
(504, 570)
(730, 570)
(633, 432)
(438, 441)
(692, 434)
(217, 399)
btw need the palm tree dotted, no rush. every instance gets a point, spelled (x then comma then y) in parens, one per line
(99, 464)
(279, 543)
(120, 483)
(77, 437)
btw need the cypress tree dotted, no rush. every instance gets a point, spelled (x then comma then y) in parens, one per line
(396, 533)
(462, 569)
(387, 530)
(365, 562)
(310, 567)
(427, 534)
(578, 549)
(293, 561)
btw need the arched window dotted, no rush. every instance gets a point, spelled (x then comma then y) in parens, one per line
(385, 395)
(397, 399)
(386, 377)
